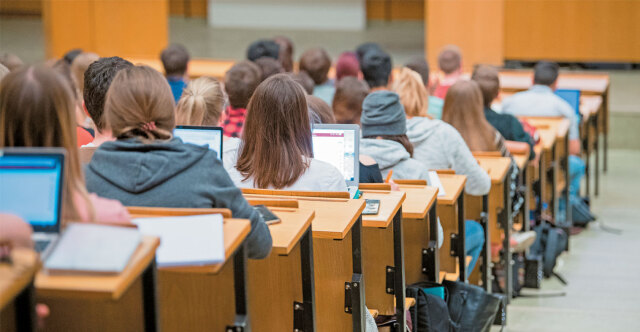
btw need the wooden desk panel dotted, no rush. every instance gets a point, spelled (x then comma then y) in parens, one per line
(448, 211)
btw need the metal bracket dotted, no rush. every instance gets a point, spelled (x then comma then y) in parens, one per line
(231, 328)
(428, 256)
(298, 317)
(455, 245)
(391, 273)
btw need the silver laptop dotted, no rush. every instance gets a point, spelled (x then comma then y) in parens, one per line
(31, 183)
(339, 145)
(201, 135)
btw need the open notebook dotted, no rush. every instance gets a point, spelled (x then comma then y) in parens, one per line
(434, 181)
(186, 240)
(91, 248)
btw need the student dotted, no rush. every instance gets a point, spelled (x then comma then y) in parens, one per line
(450, 63)
(37, 110)
(276, 150)
(261, 48)
(436, 144)
(362, 49)
(347, 109)
(79, 66)
(285, 55)
(201, 104)
(508, 126)
(316, 62)
(71, 55)
(11, 61)
(97, 80)
(241, 80)
(347, 65)
(268, 67)
(175, 60)
(321, 109)
(420, 66)
(147, 166)
(376, 69)
(304, 80)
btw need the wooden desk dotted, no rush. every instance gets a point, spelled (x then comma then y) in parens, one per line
(337, 258)
(17, 304)
(111, 303)
(383, 255)
(197, 67)
(282, 285)
(451, 213)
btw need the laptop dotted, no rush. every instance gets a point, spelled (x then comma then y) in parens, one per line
(31, 183)
(201, 135)
(572, 97)
(339, 145)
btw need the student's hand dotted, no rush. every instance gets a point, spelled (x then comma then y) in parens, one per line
(517, 147)
(15, 231)
(42, 312)
(394, 186)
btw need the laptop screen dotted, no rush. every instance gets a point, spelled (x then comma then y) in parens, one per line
(31, 187)
(211, 136)
(338, 147)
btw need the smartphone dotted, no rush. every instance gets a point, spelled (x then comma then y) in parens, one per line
(267, 215)
(372, 207)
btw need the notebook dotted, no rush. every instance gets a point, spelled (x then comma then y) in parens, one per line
(186, 240)
(92, 248)
(339, 145)
(434, 181)
(201, 135)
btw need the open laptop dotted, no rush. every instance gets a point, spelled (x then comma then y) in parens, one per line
(31, 183)
(339, 145)
(201, 135)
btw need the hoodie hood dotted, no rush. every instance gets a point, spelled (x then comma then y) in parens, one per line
(386, 152)
(136, 167)
(419, 129)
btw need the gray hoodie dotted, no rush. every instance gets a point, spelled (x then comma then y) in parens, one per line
(391, 155)
(437, 145)
(172, 174)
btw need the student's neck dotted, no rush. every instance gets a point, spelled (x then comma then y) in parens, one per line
(379, 88)
(452, 77)
(103, 136)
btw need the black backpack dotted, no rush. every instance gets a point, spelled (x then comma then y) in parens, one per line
(550, 242)
(430, 314)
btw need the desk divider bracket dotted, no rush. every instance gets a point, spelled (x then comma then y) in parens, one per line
(150, 296)
(308, 307)
(241, 323)
(25, 313)
(431, 261)
(354, 290)
(390, 280)
(486, 250)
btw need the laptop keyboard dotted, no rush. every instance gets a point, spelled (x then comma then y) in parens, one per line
(41, 245)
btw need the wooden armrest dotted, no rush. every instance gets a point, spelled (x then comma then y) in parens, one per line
(373, 312)
(285, 203)
(412, 182)
(487, 153)
(321, 194)
(444, 171)
(143, 211)
(375, 186)
(517, 147)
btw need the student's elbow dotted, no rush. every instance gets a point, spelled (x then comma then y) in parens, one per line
(259, 241)
(479, 185)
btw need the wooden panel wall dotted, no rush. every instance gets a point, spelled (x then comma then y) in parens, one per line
(188, 8)
(21, 7)
(395, 10)
(568, 30)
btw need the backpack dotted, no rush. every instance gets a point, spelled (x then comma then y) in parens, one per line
(550, 242)
(471, 308)
(430, 313)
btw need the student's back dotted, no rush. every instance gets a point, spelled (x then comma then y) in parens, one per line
(146, 166)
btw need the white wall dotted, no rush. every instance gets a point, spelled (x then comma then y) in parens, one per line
(288, 14)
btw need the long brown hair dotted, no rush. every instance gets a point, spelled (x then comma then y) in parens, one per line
(277, 134)
(464, 111)
(139, 104)
(347, 101)
(201, 103)
(37, 110)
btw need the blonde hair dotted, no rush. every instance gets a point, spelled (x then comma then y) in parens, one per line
(37, 110)
(79, 66)
(413, 95)
(139, 104)
(201, 103)
(464, 111)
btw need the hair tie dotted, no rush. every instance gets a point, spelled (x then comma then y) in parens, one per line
(149, 126)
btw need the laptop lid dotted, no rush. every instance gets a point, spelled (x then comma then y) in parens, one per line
(201, 135)
(31, 183)
(339, 145)
(572, 97)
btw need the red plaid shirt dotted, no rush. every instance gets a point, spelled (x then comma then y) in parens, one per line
(233, 122)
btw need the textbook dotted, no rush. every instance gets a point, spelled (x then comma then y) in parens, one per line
(93, 249)
(434, 181)
(186, 240)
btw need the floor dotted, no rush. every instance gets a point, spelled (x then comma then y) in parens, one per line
(601, 267)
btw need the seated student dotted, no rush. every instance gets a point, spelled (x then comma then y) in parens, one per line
(362, 49)
(276, 151)
(506, 124)
(37, 110)
(321, 109)
(316, 62)
(261, 48)
(175, 60)
(304, 80)
(147, 166)
(285, 54)
(376, 69)
(420, 66)
(540, 100)
(347, 65)
(201, 104)
(97, 80)
(240, 81)
(347, 109)
(268, 67)
(11, 61)
(71, 55)
(78, 68)
(450, 63)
